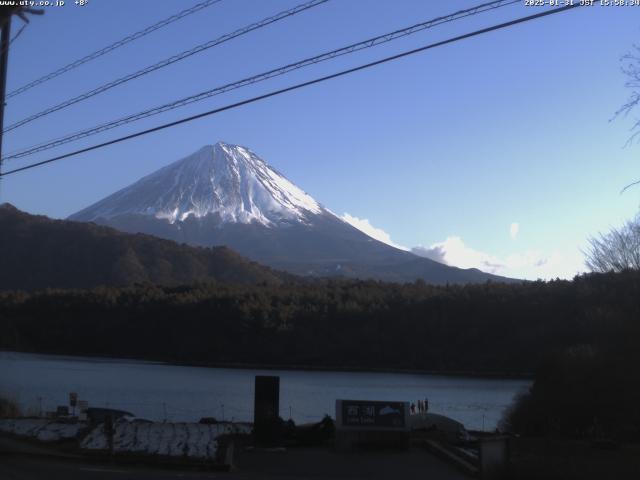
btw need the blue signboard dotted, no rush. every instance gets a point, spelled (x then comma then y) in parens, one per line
(370, 414)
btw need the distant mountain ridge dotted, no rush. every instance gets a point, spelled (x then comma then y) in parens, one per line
(225, 194)
(38, 252)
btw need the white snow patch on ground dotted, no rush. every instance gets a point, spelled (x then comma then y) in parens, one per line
(191, 440)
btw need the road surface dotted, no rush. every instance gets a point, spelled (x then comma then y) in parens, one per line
(293, 464)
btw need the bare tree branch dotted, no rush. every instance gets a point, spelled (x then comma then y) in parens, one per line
(617, 250)
(630, 185)
(631, 69)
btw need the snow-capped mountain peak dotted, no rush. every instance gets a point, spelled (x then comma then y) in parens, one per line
(222, 179)
(225, 194)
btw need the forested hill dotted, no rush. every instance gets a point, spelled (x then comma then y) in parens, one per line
(490, 328)
(38, 252)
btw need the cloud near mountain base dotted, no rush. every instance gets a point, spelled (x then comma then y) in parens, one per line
(364, 225)
(530, 264)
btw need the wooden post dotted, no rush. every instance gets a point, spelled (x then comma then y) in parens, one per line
(5, 39)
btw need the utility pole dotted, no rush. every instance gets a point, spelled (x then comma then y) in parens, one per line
(6, 13)
(5, 39)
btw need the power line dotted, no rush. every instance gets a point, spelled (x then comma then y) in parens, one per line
(15, 37)
(168, 61)
(369, 43)
(296, 87)
(113, 46)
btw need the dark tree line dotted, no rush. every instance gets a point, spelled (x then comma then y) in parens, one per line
(488, 328)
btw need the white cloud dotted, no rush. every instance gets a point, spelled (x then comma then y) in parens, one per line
(454, 252)
(365, 226)
(529, 265)
(514, 229)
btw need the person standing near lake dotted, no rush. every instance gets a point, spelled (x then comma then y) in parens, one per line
(425, 405)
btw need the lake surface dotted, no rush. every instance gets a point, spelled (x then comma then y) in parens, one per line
(177, 393)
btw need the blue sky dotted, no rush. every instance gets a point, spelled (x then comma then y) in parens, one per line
(447, 149)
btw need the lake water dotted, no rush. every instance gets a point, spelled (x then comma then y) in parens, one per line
(177, 393)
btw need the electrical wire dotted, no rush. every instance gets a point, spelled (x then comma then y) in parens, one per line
(15, 37)
(168, 61)
(113, 46)
(369, 43)
(296, 87)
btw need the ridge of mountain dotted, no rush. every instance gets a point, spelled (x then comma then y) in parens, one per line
(39, 252)
(225, 194)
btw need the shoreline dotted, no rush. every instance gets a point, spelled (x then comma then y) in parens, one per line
(285, 367)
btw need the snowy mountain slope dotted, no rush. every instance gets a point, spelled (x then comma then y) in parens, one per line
(224, 180)
(226, 195)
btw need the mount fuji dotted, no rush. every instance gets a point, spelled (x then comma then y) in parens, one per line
(226, 195)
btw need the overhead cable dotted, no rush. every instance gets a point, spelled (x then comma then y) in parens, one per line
(113, 46)
(295, 87)
(166, 62)
(369, 43)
